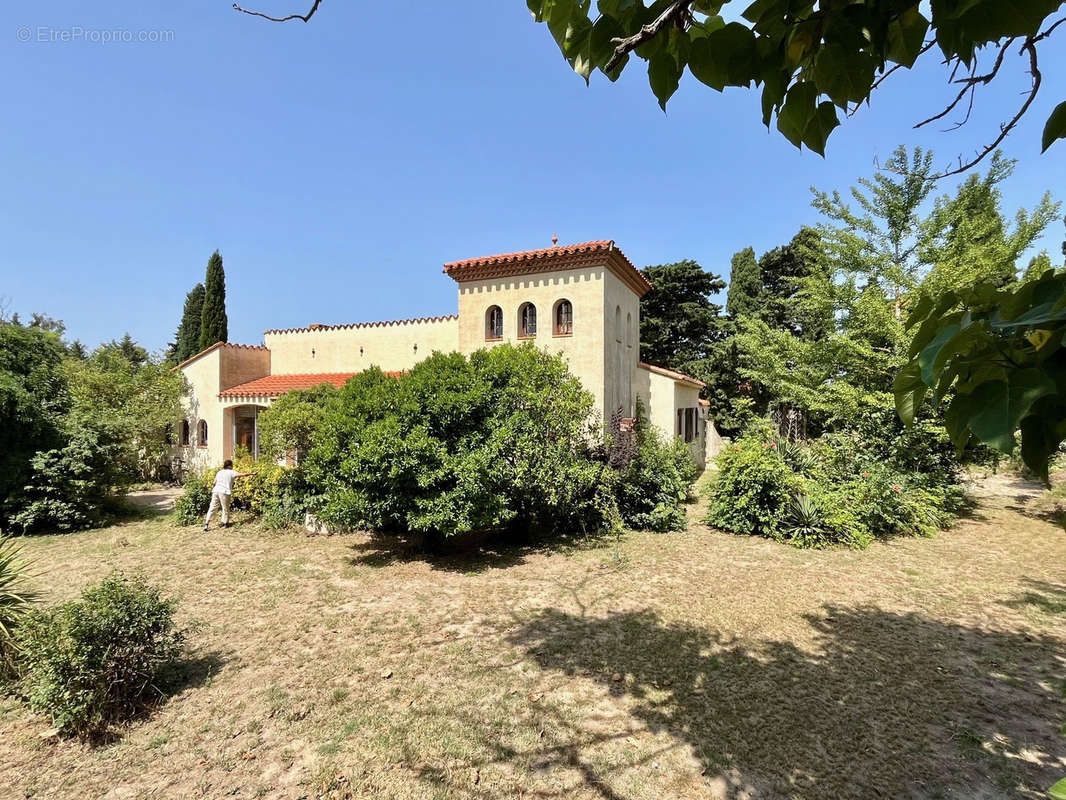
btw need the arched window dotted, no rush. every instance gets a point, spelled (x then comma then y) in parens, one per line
(201, 431)
(564, 318)
(618, 324)
(494, 323)
(629, 330)
(185, 432)
(527, 321)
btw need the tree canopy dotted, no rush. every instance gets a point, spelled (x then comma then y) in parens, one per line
(811, 60)
(677, 318)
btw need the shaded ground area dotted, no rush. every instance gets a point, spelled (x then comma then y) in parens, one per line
(692, 665)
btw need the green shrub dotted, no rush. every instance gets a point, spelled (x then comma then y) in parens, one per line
(191, 507)
(288, 427)
(69, 486)
(655, 484)
(96, 661)
(840, 489)
(15, 602)
(497, 442)
(818, 517)
(278, 495)
(754, 488)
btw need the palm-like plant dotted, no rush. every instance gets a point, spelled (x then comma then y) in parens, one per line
(15, 600)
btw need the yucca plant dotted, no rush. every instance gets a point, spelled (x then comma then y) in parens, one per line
(804, 522)
(15, 600)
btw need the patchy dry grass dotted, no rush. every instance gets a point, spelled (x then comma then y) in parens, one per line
(693, 665)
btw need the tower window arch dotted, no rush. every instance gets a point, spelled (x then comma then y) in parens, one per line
(527, 321)
(185, 432)
(494, 323)
(618, 324)
(201, 433)
(563, 319)
(629, 330)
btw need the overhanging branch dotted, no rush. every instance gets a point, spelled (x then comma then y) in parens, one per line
(305, 17)
(677, 13)
(1028, 46)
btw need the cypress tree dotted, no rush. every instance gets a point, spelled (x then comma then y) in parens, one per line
(214, 326)
(745, 285)
(187, 338)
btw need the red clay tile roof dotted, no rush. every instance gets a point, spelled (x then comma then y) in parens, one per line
(216, 346)
(386, 323)
(548, 259)
(669, 373)
(277, 385)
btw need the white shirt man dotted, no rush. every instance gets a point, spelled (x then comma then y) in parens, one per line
(222, 491)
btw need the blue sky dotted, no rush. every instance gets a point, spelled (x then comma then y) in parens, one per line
(337, 165)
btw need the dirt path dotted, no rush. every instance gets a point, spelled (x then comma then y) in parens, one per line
(161, 499)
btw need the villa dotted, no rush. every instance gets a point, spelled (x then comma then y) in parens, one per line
(581, 301)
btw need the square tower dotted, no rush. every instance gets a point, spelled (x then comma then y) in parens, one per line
(580, 301)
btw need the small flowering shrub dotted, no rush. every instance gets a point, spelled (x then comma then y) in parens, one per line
(278, 495)
(833, 491)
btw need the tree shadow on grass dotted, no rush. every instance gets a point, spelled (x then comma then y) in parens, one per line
(191, 671)
(884, 705)
(472, 553)
(1043, 595)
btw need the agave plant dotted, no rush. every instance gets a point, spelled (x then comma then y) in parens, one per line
(804, 522)
(15, 599)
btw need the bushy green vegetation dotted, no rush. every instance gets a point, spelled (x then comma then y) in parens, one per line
(500, 441)
(653, 487)
(276, 494)
(503, 442)
(841, 489)
(96, 661)
(74, 428)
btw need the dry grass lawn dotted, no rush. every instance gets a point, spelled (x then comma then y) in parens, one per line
(693, 665)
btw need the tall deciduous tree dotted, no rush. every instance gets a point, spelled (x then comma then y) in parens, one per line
(967, 240)
(214, 327)
(678, 321)
(187, 338)
(745, 285)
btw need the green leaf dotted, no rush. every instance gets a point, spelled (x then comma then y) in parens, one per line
(989, 417)
(906, 35)
(844, 74)
(956, 420)
(664, 76)
(725, 57)
(1026, 387)
(801, 121)
(909, 390)
(1058, 791)
(1054, 129)
(928, 357)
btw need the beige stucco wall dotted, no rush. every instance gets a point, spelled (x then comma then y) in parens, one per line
(583, 287)
(391, 346)
(662, 396)
(202, 402)
(208, 375)
(621, 352)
